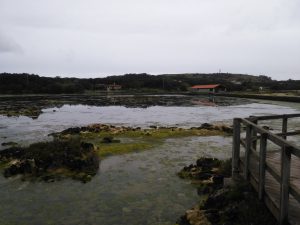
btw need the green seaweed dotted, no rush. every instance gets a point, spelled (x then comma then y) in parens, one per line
(105, 150)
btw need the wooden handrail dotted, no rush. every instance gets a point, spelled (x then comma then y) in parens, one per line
(274, 117)
(273, 137)
(253, 133)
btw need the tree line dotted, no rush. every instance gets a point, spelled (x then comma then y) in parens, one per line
(23, 83)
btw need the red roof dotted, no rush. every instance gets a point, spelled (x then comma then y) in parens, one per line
(208, 86)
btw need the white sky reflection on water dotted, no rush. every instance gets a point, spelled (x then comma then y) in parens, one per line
(26, 130)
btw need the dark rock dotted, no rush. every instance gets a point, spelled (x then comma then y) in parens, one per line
(227, 129)
(13, 152)
(72, 130)
(203, 176)
(11, 143)
(208, 163)
(183, 221)
(41, 158)
(216, 200)
(207, 126)
(87, 146)
(23, 167)
(213, 216)
(107, 140)
(218, 179)
(205, 189)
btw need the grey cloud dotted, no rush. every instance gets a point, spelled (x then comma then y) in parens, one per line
(98, 37)
(8, 45)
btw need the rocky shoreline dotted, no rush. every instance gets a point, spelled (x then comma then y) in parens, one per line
(224, 201)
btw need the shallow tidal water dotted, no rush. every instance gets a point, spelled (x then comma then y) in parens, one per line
(180, 111)
(136, 188)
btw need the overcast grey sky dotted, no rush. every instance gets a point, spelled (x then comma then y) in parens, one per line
(93, 38)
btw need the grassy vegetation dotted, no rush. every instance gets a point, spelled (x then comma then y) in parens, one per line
(75, 152)
(121, 148)
(137, 140)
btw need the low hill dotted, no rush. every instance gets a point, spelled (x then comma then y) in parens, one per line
(34, 84)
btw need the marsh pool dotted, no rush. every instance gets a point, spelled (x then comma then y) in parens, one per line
(135, 188)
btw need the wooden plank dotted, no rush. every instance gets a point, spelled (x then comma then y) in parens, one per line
(262, 165)
(295, 191)
(276, 177)
(273, 172)
(272, 186)
(284, 185)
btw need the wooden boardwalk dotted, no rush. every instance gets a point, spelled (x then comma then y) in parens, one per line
(275, 174)
(272, 187)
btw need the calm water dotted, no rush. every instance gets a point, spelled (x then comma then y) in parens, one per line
(137, 188)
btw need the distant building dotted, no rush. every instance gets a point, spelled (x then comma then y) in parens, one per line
(209, 88)
(113, 87)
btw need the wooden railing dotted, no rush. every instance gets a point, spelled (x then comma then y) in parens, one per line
(255, 133)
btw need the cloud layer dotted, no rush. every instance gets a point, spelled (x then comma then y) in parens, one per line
(96, 38)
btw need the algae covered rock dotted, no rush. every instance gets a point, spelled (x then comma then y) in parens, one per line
(55, 159)
(221, 204)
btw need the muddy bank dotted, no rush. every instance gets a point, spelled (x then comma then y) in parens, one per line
(222, 200)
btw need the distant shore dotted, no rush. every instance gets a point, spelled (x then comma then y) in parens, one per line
(270, 96)
(263, 96)
(285, 97)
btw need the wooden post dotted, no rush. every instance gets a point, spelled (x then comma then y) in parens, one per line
(284, 126)
(262, 165)
(248, 151)
(284, 185)
(254, 132)
(236, 147)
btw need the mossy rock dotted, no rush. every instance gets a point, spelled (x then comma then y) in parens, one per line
(57, 158)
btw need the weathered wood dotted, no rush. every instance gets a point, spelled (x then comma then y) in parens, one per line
(284, 127)
(248, 151)
(295, 192)
(275, 177)
(290, 133)
(262, 165)
(274, 138)
(272, 186)
(236, 147)
(284, 185)
(254, 133)
(277, 116)
(272, 170)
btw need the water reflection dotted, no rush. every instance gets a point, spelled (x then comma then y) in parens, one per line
(133, 189)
